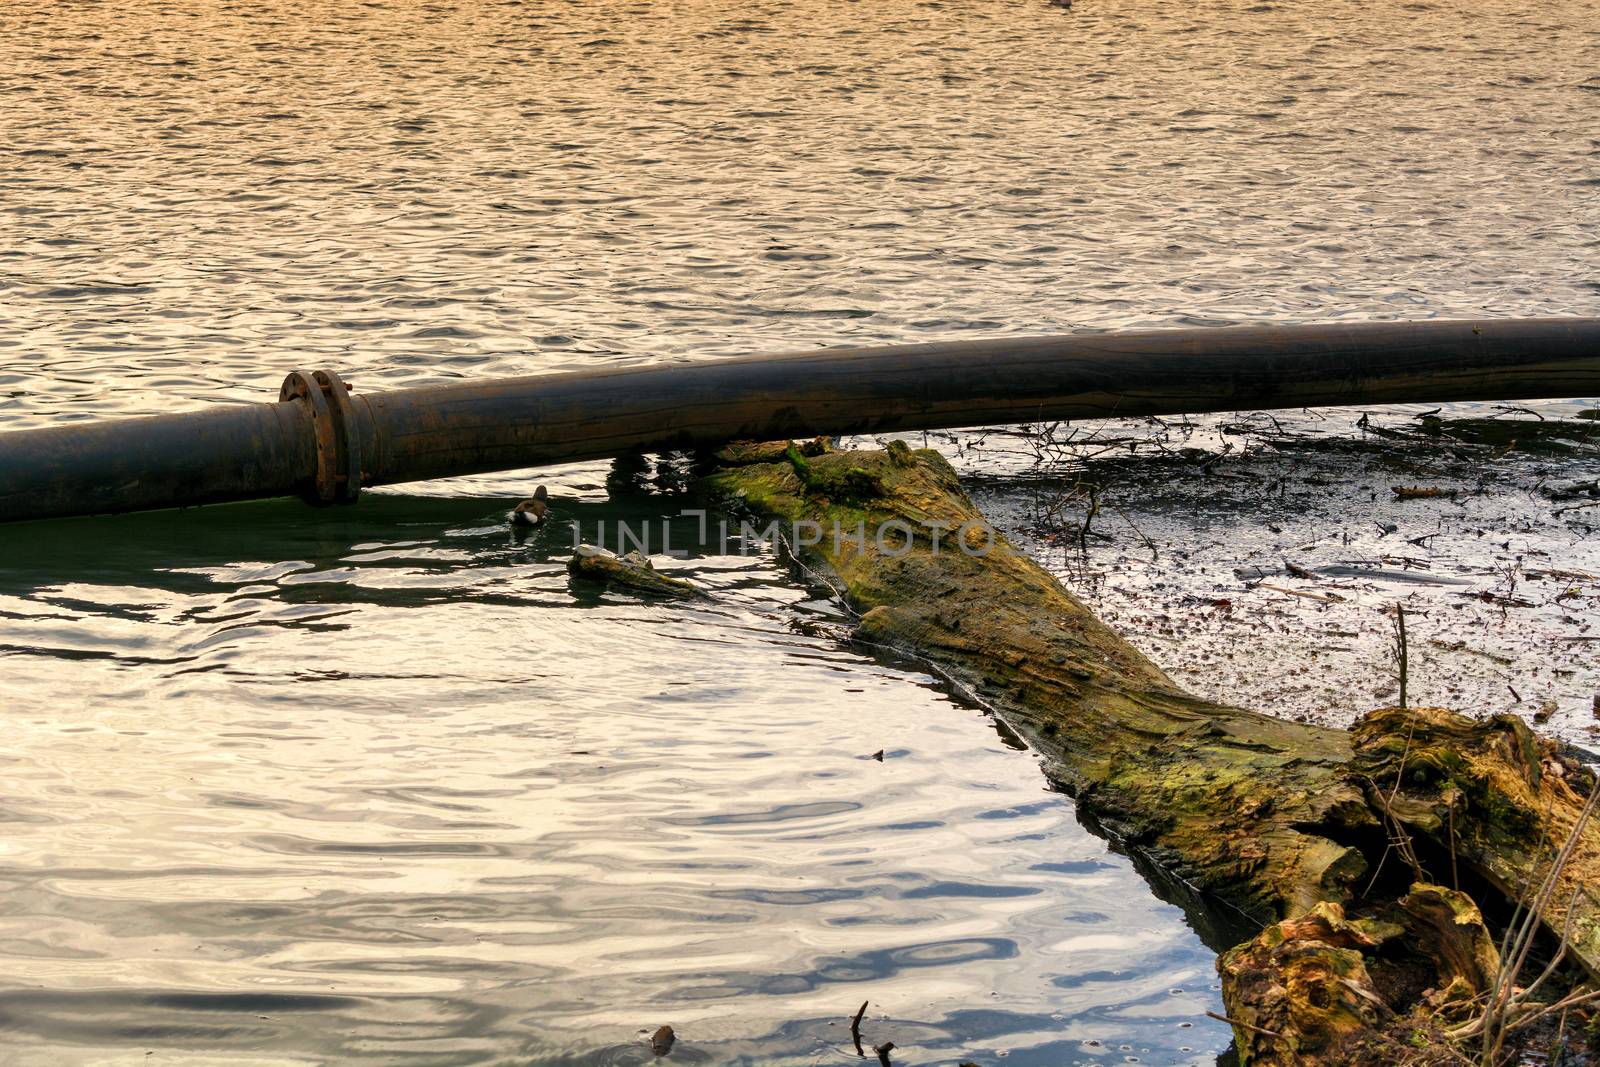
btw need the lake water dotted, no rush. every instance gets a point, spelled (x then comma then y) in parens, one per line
(285, 786)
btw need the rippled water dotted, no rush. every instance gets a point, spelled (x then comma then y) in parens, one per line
(284, 786)
(381, 785)
(413, 191)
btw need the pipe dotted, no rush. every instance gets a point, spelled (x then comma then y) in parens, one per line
(325, 442)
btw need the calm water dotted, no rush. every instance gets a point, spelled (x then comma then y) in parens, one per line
(296, 787)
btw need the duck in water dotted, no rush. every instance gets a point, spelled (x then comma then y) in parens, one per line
(531, 511)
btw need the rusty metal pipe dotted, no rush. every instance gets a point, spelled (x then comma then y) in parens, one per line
(227, 452)
(326, 443)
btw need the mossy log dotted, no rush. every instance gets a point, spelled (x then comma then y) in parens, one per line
(1291, 824)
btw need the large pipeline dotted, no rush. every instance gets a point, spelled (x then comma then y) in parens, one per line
(325, 442)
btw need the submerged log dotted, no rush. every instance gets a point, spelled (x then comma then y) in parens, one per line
(633, 572)
(1295, 826)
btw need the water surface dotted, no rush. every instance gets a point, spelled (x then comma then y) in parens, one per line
(295, 787)
(382, 785)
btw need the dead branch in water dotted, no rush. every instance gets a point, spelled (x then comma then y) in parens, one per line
(1401, 652)
(855, 1026)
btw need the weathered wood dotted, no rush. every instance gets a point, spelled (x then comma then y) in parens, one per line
(632, 571)
(1290, 823)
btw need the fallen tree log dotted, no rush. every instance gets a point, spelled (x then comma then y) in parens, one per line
(1334, 843)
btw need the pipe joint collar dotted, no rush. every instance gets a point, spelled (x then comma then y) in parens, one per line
(336, 478)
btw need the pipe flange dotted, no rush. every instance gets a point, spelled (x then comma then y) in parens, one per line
(347, 471)
(336, 478)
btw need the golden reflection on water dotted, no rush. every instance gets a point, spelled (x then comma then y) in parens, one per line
(413, 799)
(196, 199)
(376, 784)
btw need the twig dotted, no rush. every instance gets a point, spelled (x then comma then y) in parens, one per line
(855, 1027)
(1400, 650)
(1399, 841)
(1091, 511)
(1561, 1035)
(1450, 817)
(1508, 1009)
(1326, 598)
(1405, 492)
(1263, 1031)
(1155, 553)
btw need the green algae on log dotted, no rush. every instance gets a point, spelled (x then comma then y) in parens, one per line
(1292, 824)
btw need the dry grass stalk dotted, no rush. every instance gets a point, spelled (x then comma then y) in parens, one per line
(1510, 1008)
(1402, 653)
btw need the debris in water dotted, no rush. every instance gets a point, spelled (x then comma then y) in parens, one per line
(855, 1026)
(1403, 492)
(1572, 492)
(633, 571)
(1199, 607)
(883, 1051)
(1331, 598)
(662, 1040)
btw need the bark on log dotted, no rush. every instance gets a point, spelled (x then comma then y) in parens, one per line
(1289, 823)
